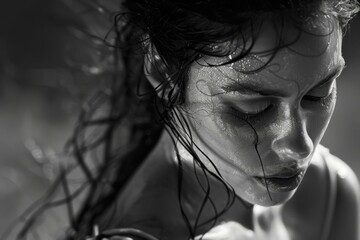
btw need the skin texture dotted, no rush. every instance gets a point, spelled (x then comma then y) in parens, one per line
(285, 116)
(150, 202)
(289, 125)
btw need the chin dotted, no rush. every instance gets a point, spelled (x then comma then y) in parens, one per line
(263, 198)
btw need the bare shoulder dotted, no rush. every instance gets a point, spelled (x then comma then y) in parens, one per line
(329, 196)
(331, 170)
(345, 222)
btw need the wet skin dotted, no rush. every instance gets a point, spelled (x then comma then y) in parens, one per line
(278, 116)
(150, 202)
(265, 126)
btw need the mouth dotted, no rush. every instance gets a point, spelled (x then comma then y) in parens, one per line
(282, 182)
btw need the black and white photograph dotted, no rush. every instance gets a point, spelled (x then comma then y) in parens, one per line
(180, 120)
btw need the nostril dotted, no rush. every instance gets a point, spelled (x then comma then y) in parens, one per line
(287, 153)
(297, 149)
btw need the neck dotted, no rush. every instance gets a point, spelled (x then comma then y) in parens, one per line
(201, 191)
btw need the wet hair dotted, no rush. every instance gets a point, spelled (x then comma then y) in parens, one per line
(172, 34)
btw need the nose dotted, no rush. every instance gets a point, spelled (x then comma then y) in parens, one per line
(293, 141)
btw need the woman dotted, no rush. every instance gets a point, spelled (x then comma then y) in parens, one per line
(245, 91)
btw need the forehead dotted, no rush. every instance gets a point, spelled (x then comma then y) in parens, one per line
(313, 51)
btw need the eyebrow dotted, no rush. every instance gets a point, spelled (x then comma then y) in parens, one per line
(251, 89)
(334, 73)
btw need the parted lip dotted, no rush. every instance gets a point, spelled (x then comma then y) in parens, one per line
(284, 174)
(283, 182)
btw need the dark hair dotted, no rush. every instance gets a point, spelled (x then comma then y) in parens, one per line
(177, 32)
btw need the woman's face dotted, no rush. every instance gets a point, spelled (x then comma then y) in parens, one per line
(266, 124)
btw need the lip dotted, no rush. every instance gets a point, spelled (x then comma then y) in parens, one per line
(283, 182)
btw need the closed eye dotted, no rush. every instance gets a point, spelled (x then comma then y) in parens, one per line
(314, 98)
(248, 115)
(321, 92)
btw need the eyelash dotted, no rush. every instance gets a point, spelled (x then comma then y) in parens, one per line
(248, 116)
(323, 100)
(252, 116)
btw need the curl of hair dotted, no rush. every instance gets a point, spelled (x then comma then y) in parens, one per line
(179, 32)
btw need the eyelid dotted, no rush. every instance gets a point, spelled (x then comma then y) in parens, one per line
(312, 92)
(248, 116)
(236, 97)
(331, 79)
(247, 92)
(253, 108)
(243, 93)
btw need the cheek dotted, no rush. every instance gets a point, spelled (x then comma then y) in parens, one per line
(218, 128)
(210, 118)
(225, 139)
(319, 118)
